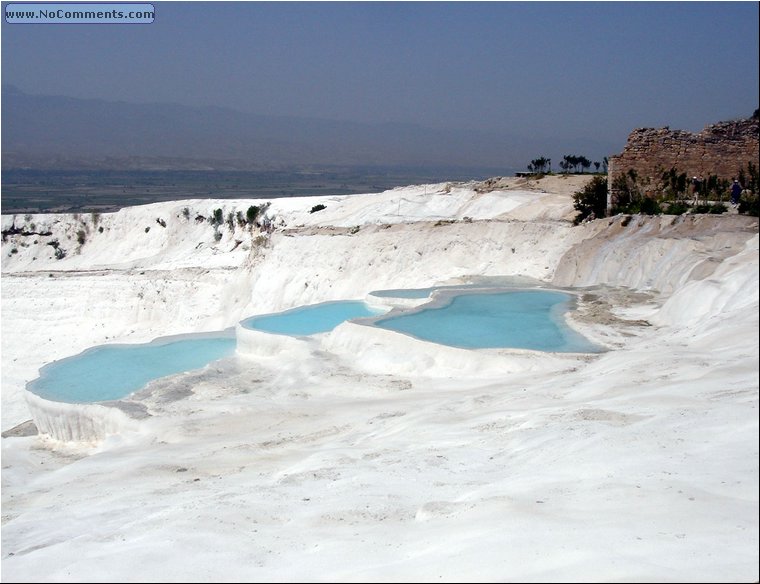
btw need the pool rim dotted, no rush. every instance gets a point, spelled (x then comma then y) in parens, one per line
(43, 371)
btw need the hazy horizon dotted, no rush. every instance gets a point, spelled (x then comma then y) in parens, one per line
(544, 70)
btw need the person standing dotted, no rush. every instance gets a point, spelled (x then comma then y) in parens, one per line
(736, 191)
(696, 188)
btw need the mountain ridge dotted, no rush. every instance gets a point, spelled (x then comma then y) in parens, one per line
(48, 131)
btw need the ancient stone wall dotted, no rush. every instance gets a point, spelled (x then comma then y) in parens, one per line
(720, 149)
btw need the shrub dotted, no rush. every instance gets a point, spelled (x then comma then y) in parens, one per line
(699, 209)
(186, 212)
(748, 205)
(674, 183)
(592, 200)
(316, 208)
(677, 208)
(161, 222)
(218, 217)
(252, 213)
(81, 237)
(60, 253)
(649, 206)
(231, 221)
(718, 209)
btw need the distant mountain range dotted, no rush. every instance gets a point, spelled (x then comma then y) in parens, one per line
(46, 132)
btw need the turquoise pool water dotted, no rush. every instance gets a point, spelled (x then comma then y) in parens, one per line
(112, 372)
(312, 319)
(526, 320)
(515, 319)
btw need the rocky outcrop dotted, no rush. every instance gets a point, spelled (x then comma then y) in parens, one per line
(721, 149)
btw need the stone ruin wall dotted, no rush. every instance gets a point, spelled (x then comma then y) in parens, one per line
(720, 149)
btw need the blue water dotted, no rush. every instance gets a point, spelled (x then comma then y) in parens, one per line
(517, 319)
(526, 320)
(310, 320)
(112, 372)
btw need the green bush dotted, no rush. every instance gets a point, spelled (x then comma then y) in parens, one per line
(718, 209)
(677, 208)
(252, 214)
(748, 205)
(591, 200)
(316, 208)
(649, 206)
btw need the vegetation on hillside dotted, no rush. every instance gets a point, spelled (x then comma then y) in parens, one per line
(569, 163)
(674, 193)
(591, 201)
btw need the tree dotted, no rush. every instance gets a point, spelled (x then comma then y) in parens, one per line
(591, 202)
(596, 166)
(575, 162)
(538, 165)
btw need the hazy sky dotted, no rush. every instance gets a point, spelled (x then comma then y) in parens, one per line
(594, 69)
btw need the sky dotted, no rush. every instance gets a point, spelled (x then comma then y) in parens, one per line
(592, 69)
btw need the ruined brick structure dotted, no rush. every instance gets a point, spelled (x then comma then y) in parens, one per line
(720, 149)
